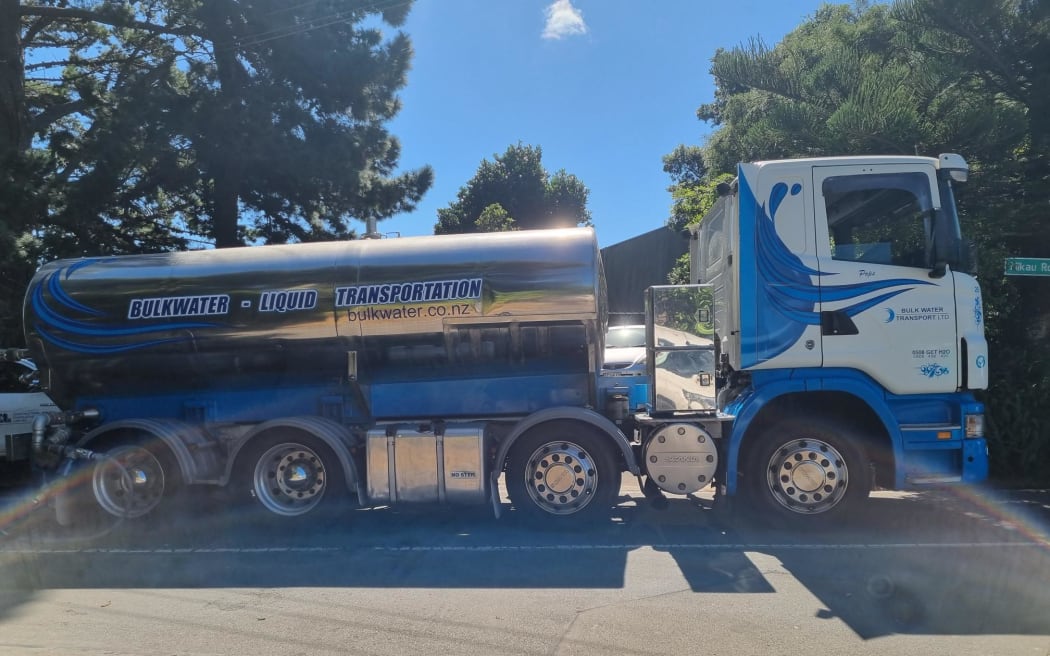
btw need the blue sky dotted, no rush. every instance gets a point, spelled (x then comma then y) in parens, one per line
(605, 87)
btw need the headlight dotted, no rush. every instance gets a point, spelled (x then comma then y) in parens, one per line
(974, 426)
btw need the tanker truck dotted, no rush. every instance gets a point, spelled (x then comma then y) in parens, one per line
(409, 370)
(425, 370)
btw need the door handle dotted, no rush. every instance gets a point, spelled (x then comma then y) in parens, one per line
(837, 322)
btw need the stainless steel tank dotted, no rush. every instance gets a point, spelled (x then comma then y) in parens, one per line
(197, 320)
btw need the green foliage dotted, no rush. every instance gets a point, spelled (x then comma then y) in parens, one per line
(156, 118)
(922, 76)
(681, 309)
(1017, 407)
(691, 201)
(518, 183)
(495, 219)
(685, 165)
(166, 124)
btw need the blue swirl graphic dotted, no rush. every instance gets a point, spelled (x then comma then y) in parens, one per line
(100, 350)
(787, 298)
(80, 335)
(65, 299)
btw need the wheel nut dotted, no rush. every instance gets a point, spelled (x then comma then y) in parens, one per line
(652, 458)
(662, 478)
(661, 439)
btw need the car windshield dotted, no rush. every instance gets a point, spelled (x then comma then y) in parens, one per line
(625, 337)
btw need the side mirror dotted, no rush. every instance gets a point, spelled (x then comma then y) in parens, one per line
(969, 257)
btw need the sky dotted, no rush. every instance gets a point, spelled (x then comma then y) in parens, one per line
(604, 87)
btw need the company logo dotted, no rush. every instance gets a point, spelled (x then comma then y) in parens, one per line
(178, 306)
(934, 370)
(916, 313)
(978, 312)
(981, 361)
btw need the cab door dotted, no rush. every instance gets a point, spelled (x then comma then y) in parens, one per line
(883, 309)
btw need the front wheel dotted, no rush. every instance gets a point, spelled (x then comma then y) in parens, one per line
(807, 471)
(562, 469)
(292, 475)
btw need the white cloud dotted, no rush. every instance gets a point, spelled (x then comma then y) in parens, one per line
(563, 20)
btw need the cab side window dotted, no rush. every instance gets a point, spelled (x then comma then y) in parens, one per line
(880, 218)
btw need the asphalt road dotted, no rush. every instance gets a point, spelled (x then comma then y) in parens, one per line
(948, 572)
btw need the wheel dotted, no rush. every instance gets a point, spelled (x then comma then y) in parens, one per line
(134, 480)
(807, 471)
(562, 469)
(292, 475)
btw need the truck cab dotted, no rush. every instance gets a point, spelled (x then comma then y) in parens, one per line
(844, 301)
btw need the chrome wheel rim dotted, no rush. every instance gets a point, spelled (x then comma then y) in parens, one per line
(289, 479)
(132, 489)
(807, 476)
(561, 478)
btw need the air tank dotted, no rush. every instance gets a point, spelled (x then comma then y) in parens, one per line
(241, 316)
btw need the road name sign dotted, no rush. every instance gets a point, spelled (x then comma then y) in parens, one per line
(1027, 266)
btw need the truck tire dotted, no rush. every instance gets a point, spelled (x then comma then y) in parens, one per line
(291, 474)
(562, 470)
(806, 471)
(135, 479)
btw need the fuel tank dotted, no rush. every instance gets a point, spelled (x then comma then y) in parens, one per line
(239, 316)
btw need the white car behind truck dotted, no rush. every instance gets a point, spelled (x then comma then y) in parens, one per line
(21, 402)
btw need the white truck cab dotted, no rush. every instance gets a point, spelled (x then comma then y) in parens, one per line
(847, 324)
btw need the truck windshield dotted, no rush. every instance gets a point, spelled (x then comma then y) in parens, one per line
(889, 219)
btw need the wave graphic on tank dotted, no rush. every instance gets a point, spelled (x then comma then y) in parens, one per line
(81, 336)
(787, 298)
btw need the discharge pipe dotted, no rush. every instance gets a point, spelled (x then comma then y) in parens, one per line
(46, 419)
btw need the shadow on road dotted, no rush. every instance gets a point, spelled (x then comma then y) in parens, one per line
(937, 563)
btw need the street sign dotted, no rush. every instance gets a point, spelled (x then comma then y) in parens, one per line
(1027, 266)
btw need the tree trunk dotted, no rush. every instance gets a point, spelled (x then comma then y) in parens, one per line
(14, 120)
(226, 153)
(225, 202)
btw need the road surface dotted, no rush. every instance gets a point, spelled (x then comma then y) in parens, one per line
(947, 572)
